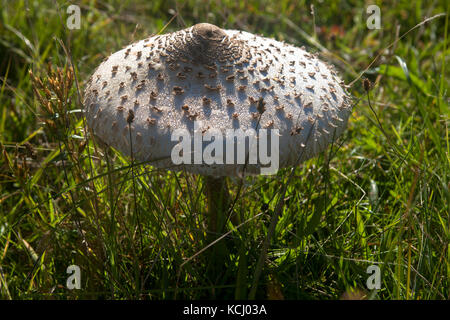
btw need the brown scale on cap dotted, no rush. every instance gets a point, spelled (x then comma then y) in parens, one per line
(178, 90)
(296, 130)
(336, 118)
(183, 59)
(130, 117)
(150, 121)
(297, 95)
(308, 105)
(153, 95)
(252, 100)
(206, 101)
(269, 124)
(267, 88)
(255, 115)
(141, 85)
(261, 107)
(205, 129)
(211, 67)
(216, 88)
(193, 116)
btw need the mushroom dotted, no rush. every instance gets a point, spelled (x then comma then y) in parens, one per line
(204, 80)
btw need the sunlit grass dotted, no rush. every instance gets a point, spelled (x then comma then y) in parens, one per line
(379, 195)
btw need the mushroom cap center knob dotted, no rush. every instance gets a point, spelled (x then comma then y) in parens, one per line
(208, 44)
(208, 32)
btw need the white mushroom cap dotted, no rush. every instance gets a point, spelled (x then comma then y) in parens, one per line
(218, 77)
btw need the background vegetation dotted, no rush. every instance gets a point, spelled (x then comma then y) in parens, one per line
(379, 195)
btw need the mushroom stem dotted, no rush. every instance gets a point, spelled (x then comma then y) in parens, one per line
(217, 196)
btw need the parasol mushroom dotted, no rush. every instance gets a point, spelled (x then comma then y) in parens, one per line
(204, 80)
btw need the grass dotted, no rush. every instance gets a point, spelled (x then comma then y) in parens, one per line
(378, 196)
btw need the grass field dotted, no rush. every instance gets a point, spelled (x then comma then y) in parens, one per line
(378, 196)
